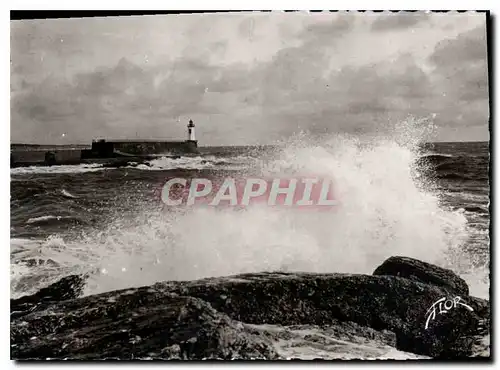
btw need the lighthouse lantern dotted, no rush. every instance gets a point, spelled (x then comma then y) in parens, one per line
(191, 136)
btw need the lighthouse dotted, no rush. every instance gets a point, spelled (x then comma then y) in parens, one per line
(191, 136)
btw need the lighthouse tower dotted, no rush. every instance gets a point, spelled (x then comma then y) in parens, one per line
(191, 136)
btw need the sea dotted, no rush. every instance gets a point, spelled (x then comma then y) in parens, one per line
(396, 197)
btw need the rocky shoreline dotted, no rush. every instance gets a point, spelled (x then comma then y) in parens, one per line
(223, 318)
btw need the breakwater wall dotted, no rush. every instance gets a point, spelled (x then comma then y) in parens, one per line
(101, 151)
(148, 147)
(39, 157)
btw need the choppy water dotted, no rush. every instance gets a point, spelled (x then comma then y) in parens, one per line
(397, 198)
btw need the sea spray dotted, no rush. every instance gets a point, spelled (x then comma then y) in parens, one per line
(385, 210)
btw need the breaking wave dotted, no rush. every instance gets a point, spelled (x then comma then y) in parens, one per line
(197, 163)
(387, 208)
(80, 168)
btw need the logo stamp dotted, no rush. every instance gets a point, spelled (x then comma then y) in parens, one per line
(442, 306)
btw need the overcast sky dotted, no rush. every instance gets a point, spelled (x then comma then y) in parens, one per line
(247, 78)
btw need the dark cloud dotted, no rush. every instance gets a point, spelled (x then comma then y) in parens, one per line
(296, 89)
(400, 20)
(124, 100)
(348, 100)
(331, 29)
(298, 93)
(466, 47)
(461, 77)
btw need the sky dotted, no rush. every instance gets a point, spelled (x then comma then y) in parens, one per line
(247, 78)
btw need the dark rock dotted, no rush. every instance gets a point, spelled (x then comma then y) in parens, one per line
(101, 326)
(160, 326)
(69, 287)
(424, 272)
(31, 262)
(379, 302)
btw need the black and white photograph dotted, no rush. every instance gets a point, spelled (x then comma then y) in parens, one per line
(250, 185)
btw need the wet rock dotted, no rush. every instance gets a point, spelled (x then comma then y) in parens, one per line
(424, 272)
(31, 262)
(135, 327)
(69, 287)
(213, 317)
(379, 302)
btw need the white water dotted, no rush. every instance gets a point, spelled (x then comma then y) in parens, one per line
(385, 210)
(77, 168)
(310, 342)
(197, 163)
(158, 164)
